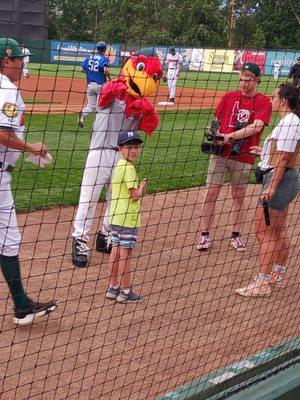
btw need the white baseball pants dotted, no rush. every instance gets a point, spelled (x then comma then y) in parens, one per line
(93, 90)
(172, 80)
(10, 237)
(97, 174)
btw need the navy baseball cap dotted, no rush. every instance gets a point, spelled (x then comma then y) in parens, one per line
(101, 46)
(129, 137)
(251, 67)
(298, 58)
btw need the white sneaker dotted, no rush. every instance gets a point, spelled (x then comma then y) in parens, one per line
(255, 289)
(204, 242)
(237, 243)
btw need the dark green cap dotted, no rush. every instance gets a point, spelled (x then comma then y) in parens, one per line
(254, 68)
(172, 49)
(10, 48)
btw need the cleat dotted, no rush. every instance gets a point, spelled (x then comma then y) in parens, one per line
(80, 121)
(79, 253)
(103, 243)
(35, 310)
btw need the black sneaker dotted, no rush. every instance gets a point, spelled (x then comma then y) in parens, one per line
(103, 244)
(35, 310)
(80, 121)
(131, 297)
(171, 100)
(79, 253)
(112, 293)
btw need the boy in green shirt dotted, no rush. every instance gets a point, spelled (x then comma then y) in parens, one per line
(124, 218)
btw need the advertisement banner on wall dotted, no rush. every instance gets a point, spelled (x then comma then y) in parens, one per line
(76, 52)
(280, 62)
(126, 51)
(192, 58)
(218, 60)
(243, 56)
(196, 60)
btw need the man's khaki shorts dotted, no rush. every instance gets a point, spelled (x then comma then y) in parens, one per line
(219, 167)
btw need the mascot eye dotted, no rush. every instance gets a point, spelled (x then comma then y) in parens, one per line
(140, 66)
(155, 77)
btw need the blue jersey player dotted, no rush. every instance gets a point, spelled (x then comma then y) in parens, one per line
(96, 68)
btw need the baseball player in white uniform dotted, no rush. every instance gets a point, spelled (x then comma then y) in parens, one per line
(174, 65)
(26, 54)
(277, 66)
(11, 144)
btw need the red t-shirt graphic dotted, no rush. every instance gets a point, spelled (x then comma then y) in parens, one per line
(235, 108)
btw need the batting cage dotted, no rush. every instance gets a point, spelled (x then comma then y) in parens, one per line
(140, 257)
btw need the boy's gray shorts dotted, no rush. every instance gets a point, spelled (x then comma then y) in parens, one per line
(286, 191)
(123, 236)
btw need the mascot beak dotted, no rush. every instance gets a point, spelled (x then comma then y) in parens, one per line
(140, 83)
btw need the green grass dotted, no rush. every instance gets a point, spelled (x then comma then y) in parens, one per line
(171, 158)
(203, 80)
(62, 70)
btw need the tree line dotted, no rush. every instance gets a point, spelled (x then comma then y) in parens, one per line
(269, 24)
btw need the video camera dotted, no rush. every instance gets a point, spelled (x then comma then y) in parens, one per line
(237, 144)
(211, 135)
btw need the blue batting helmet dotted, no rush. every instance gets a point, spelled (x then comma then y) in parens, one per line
(101, 46)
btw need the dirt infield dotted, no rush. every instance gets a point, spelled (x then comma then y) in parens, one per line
(190, 323)
(68, 95)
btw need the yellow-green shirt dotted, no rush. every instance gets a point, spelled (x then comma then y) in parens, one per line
(124, 211)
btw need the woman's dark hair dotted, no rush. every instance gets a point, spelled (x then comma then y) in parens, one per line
(292, 94)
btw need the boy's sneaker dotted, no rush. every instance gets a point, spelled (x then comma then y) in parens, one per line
(131, 297)
(255, 289)
(112, 293)
(80, 120)
(204, 242)
(35, 310)
(79, 253)
(237, 243)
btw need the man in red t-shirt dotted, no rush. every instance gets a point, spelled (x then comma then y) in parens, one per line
(242, 116)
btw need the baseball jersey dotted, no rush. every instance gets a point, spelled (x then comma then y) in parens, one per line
(123, 210)
(235, 108)
(11, 111)
(26, 53)
(287, 136)
(174, 61)
(94, 68)
(109, 122)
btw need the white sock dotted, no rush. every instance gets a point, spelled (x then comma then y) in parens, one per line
(263, 276)
(126, 291)
(279, 268)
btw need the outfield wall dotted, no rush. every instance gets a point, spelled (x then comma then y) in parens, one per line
(194, 59)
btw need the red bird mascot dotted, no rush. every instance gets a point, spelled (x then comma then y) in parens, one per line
(122, 105)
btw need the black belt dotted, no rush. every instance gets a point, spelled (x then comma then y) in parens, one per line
(6, 167)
